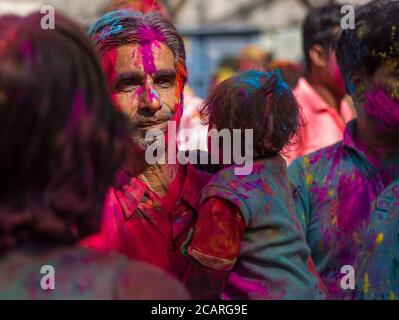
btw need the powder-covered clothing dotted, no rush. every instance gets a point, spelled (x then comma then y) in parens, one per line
(140, 225)
(378, 274)
(274, 260)
(334, 190)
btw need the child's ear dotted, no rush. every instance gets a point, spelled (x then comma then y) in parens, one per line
(318, 56)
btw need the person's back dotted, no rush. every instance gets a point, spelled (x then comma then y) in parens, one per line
(80, 274)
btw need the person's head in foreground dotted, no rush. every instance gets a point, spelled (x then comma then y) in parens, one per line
(321, 69)
(145, 62)
(369, 60)
(62, 141)
(258, 101)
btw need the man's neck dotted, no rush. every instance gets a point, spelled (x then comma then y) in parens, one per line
(157, 177)
(328, 97)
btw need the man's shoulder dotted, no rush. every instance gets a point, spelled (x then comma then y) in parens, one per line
(318, 161)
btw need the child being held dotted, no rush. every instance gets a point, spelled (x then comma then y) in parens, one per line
(247, 243)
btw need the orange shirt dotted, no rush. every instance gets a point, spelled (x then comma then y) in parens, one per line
(324, 124)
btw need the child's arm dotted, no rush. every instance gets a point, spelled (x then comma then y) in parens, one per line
(214, 249)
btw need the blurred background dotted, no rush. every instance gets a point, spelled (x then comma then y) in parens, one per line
(221, 36)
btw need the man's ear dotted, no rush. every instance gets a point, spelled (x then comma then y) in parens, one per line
(318, 56)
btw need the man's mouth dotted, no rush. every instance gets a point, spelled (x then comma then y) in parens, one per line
(161, 125)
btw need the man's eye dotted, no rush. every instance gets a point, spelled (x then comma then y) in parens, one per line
(165, 83)
(127, 86)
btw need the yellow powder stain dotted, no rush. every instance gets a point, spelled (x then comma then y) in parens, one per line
(366, 283)
(306, 162)
(391, 296)
(379, 238)
(334, 220)
(331, 192)
(309, 180)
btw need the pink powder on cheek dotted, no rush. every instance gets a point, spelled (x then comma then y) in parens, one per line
(108, 62)
(381, 106)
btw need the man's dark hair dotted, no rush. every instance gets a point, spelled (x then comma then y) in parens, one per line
(255, 100)
(61, 138)
(373, 42)
(318, 28)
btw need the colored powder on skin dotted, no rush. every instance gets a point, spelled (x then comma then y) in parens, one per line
(147, 52)
(381, 106)
(149, 40)
(109, 62)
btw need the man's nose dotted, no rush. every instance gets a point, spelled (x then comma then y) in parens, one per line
(150, 100)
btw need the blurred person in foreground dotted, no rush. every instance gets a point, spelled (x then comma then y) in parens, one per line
(321, 92)
(62, 141)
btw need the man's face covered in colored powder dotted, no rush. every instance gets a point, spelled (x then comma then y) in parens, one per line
(144, 84)
(382, 94)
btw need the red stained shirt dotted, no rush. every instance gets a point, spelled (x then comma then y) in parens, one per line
(141, 225)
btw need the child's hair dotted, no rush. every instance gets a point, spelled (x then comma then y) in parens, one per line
(261, 101)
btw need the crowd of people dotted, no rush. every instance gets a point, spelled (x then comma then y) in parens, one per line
(77, 192)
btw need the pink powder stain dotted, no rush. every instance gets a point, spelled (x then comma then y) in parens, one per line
(353, 194)
(149, 42)
(381, 106)
(254, 288)
(147, 52)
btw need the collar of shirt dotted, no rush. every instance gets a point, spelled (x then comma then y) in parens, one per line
(313, 99)
(131, 191)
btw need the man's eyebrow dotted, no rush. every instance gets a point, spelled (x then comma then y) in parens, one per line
(163, 73)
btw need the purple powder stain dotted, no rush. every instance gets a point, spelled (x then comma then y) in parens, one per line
(149, 40)
(381, 106)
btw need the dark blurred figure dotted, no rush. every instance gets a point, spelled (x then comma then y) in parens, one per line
(321, 91)
(62, 141)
